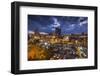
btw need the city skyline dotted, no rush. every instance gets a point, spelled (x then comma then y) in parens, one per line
(67, 24)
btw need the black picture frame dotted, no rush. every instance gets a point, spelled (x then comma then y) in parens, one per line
(15, 40)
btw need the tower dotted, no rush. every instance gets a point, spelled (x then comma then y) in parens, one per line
(58, 31)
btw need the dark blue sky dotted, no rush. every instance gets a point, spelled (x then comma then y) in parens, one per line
(68, 24)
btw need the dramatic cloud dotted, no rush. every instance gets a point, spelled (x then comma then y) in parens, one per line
(83, 22)
(71, 27)
(47, 24)
(56, 23)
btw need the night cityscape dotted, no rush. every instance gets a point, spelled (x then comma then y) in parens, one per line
(57, 37)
